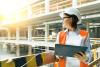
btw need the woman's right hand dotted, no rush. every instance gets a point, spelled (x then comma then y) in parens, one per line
(81, 56)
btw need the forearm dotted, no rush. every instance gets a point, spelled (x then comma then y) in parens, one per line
(89, 56)
(49, 58)
(88, 52)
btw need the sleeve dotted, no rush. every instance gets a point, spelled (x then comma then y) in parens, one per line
(88, 52)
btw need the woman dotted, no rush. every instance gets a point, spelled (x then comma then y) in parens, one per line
(73, 36)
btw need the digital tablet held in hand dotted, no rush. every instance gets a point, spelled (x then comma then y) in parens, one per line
(68, 50)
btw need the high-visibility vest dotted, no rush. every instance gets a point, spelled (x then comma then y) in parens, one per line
(62, 39)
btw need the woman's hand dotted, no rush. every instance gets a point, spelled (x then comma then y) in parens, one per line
(81, 56)
(57, 58)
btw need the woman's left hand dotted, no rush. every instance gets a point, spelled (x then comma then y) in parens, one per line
(81, 56)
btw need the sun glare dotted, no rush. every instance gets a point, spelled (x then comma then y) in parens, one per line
(9, 9)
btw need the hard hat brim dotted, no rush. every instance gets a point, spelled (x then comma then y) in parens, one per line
(62, 15)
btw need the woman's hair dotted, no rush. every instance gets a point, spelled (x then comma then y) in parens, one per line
(74, 20)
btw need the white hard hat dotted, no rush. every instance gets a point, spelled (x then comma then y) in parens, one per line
(72, 11)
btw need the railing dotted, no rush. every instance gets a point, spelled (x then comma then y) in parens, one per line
(58, 5)
(94, 62)
(3, 38)
(12, 38)
(40, 10)
(80, 2)
(33, 38)
(55, 5)
(38, 38)
(43, 38)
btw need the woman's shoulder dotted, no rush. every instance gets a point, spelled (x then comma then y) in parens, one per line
(63, 31)
(83, 32)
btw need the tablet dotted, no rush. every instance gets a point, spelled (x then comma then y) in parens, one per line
(68, 50)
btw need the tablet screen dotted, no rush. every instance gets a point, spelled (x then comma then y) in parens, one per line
(68, 50)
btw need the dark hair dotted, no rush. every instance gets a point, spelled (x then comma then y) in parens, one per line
(74, 20)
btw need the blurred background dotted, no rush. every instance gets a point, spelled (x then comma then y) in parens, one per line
(31, 26)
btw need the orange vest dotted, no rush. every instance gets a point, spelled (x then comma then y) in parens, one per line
(62, 40)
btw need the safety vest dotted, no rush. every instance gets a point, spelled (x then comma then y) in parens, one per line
(62, 39)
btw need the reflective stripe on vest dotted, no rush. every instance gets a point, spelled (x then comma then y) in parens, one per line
(62, 40)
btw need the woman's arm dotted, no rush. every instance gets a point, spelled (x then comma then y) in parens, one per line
(88, 52)
(85, 56)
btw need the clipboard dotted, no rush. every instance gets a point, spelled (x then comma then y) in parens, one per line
(68, 50)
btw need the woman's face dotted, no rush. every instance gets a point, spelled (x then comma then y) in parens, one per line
(67, 21)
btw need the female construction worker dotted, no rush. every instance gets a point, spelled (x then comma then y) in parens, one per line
(73, 36)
